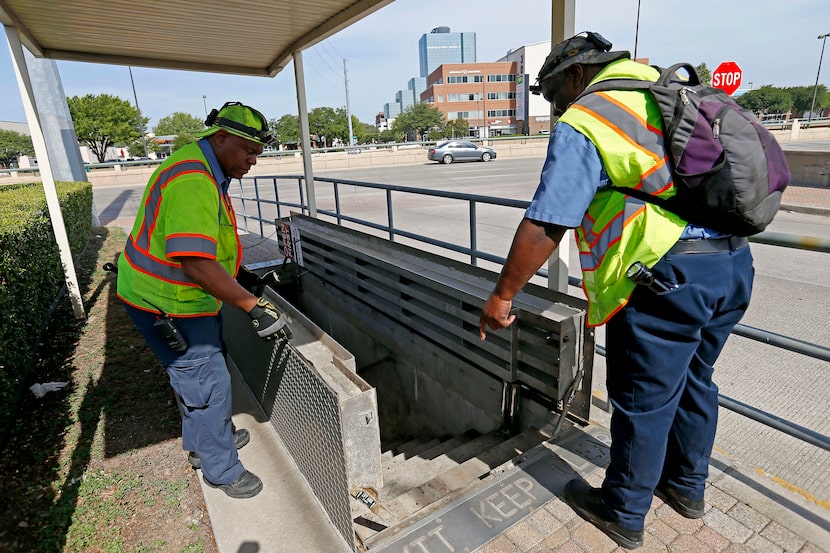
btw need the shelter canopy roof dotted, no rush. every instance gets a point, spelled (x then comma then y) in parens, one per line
(246, 38)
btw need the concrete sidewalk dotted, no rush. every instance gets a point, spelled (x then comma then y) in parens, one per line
(806, 199)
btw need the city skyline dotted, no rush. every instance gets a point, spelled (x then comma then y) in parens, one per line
(775, 45)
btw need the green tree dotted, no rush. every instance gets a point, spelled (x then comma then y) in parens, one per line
(456, 128)
(803, 98)
(391, 135)
(102, 121)
(13, 145)
(704, 73)
(365, 132)
(286, 128)
(329, 122)
(767, 99)
(181, 125)
(418, 119)
(136, 147)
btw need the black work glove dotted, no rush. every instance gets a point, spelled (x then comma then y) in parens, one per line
(268, 321)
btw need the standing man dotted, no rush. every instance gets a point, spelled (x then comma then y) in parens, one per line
(662, 341)
(177, 269)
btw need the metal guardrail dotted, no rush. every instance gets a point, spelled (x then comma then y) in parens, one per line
(771, 238)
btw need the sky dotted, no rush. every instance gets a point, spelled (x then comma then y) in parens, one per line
(773, 42)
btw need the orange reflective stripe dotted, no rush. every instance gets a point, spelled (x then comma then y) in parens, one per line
(637, 133)
(617, 129)
(163, 270)
(152, 205)
(600, 242)
(657, 180)
(197, 245)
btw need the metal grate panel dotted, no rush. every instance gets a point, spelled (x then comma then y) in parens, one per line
(302, 405)
(305, 414)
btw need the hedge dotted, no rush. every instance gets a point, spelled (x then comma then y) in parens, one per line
(31, 274)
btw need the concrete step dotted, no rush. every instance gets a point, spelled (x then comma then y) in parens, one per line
(417, 471)
(407, 451)
(406, 508)
(431, 462)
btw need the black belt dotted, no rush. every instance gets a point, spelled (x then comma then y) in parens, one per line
(711, 245)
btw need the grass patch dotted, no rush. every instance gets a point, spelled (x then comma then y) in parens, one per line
(98, 465)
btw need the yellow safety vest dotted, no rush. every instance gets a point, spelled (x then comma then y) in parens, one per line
(184, 213)
(618, 229)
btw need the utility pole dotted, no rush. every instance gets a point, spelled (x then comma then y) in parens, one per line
(348, 112)
(823, 39)
(140, 119)
(484, 104)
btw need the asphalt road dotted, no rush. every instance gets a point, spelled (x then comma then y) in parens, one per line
(791, 297)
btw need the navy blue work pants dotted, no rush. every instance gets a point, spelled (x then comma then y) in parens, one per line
(202, 384)
(661, 349)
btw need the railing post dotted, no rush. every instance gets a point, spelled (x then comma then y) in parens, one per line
(306, 209)
(337, 202)
(277, 198)
(258, 208)
(389, 214)
(244, 208)
(558, 266)
(473, 235)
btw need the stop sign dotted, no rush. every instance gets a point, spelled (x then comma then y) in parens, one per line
(727, 77)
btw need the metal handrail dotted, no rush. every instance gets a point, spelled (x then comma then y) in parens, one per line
(809, 349)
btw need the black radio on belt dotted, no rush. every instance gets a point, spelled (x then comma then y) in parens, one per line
(169, 332)
(643, 276)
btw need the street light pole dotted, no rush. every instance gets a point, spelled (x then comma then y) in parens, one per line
(637, 30)
(823, 39)
(140, 118)
(204, 103)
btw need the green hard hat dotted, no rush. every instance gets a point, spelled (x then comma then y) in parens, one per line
(240, 120)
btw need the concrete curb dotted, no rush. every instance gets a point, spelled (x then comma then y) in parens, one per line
(807, 209)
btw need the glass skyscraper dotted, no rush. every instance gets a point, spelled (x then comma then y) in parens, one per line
(441, 46)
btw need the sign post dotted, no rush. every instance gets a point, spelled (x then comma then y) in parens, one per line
(727, 77)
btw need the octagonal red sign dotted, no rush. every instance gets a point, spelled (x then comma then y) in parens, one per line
(727, 77)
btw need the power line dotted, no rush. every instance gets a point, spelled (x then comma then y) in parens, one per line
(325, 76)
(330, 44)
(332, 69)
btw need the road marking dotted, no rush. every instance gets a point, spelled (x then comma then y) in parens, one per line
(793, 488)
(781, 482)
(489, 175)
(465, 170)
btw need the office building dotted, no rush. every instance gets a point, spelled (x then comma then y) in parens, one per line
(441, 46)
(391, 110)
(434, 48)
(482, 93)
(532, 111)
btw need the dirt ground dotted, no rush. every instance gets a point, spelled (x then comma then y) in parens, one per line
(97, 466)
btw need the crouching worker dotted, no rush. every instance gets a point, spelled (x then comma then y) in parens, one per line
(177, 269)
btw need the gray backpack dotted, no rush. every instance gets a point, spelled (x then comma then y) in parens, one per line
(729, 171)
